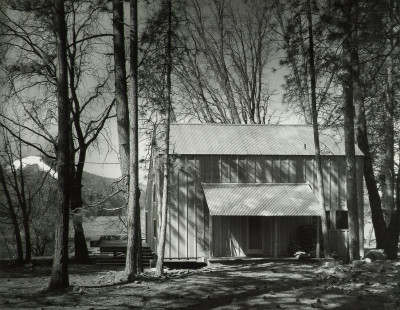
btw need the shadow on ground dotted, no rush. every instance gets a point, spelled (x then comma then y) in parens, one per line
(257, 286)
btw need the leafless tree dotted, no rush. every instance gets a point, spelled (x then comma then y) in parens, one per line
(59, 273)
(133, 213)
(33, 81)
(223, 72)
(314, 113)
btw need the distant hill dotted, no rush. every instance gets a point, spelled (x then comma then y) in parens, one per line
(95, 188)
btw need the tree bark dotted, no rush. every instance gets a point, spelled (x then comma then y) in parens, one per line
(392, 215)
(351, 181)
(139, 241)
(388, 156)
(27, 232)
(121, 95)
(23, 202)
(76, 203)
(165, 198)
(133, 201)
(59, 273)
(324, 221)
(13, 217)
(81, 250)
(394, 225)
(378, 220)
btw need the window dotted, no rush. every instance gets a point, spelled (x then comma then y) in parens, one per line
(342, 220)
(155, 228)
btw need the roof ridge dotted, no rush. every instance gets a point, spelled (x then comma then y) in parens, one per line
(252, 184)
(226, 124)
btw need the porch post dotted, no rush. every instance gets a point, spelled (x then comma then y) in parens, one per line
(317, 250)
(210, 233)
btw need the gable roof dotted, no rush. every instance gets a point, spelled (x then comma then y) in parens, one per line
(238, 139)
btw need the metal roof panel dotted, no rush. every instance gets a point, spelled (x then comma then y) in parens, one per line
(236, 139)
(261, 199)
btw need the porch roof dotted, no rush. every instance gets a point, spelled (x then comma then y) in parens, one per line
(255, 199)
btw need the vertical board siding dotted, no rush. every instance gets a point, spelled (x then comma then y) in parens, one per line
(326, 181)
(234, 236)
(215, 238)
(191, 217)
(188, 215)
(292, 170)
(182, 210)
(315, 180)
(309, 172)
(200, 205)
(300, 170)
(241, 169)
(334, 184)
(207, 169)
(360, 193)
(284, 170)
(268, 170)
(342, 184)
(260, 169)
(233, 169)
(225, 236)
(174, 213)
(276, 170)
(216, 169)
(225, 169)
(167, 251)
(250, 169)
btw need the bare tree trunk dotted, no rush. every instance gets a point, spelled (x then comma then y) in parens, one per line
(164, 204)
(133, 202)
(378, 220)
(350, 8)
(139, 251)
(81, 250)
(388, 156)
(394, 225)
(21, 194)
(393, 216)
(13, 217)
(76, 203)
(121, 95)
(27, 232)
(59, 273)
(324, 222)
(385, 238)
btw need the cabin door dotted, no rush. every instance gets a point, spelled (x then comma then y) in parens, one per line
(255, 232)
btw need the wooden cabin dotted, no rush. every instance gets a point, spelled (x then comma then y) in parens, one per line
(247, 190)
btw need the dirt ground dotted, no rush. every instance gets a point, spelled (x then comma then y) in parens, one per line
(272, 285)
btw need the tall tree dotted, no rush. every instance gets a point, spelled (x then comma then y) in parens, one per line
(32, 39)
(13, 216)
(372, 62)
(314, 113)
(166, 168)
(121, 95)
(388, 156)
(134, 193)
(59, 273)
(350, 12)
